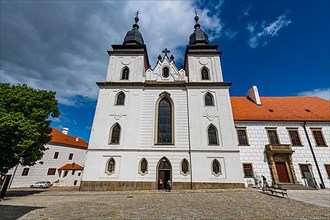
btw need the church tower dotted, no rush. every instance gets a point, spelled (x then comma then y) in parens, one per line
(163, 123)
(211, 125)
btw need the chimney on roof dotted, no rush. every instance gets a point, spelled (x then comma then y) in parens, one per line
(65, 131)
(77, 139)
(253, 94)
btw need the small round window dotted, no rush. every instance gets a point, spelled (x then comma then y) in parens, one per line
(166, 72)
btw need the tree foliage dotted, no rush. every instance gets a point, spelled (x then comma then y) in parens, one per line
(24, 124)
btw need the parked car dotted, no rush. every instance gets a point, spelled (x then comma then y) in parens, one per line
(41, 184)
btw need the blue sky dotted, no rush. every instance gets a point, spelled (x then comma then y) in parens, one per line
(280, 46)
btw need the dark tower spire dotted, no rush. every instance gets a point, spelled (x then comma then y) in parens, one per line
(134, 36)
(198, 37)
(197, 25)
(136, 19)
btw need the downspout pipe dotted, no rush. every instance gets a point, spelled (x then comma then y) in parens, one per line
(315, 161)
(191, 181)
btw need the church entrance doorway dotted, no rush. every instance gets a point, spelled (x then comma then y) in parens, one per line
(164, 172)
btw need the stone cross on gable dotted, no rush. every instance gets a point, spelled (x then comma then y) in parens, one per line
(166, 51)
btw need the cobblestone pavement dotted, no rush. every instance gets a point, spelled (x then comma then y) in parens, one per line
(316, 197)
(189, 204)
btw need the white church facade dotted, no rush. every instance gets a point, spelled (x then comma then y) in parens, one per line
(163, 123)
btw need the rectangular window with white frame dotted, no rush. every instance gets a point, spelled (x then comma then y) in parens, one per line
(248, 171)
(294, 137)
(272, 136)
(304, 169)
(318, 137)
(242, 137)
(51, 171)
(327, 169)
(56, 155)
(25, 171)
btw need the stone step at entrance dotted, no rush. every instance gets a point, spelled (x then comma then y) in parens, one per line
(294, 186)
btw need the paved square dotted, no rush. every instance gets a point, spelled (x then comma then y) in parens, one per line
(316, 197)
(189, 204)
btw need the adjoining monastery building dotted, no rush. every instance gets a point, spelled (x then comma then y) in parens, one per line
(181, 124)
(62, 164)
(286, 139)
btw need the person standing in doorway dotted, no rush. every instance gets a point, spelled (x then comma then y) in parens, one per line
(160, 184)
(169, 185)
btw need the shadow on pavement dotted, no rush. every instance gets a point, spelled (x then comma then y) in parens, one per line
(14, 212)
(274, 195)
(20, 193)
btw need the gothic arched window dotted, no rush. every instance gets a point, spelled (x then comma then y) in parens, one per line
(143, 166)
(111, 165)
(115, 134)
(212, 134)
(125, 73)
(164, 164)
(209, 99)
(184, 167)
(120, 100)
(205, 73)
(165, 124)
(216, 168)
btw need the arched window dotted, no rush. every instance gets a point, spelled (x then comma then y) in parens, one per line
(166, 72)
(111, 165)
(212, 134)
(164, 164)
(209, 99)
(120, 98)
(115, 134)
(184, 167)
(165, 124)
(125, 73)
(205, 73)
(143, 166)
(216, 168)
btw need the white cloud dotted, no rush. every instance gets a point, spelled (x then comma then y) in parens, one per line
(230, 33)
(68, 101)
(261, 35)
(61, 46)
(323, 93)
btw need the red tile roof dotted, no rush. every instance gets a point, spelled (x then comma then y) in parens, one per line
(298, 108)
(63, 139)
(71, 166)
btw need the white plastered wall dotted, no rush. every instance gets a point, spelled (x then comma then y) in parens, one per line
(117, 64)
(211, 62)
(257, 136)
(137, 120)
(38, 172)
